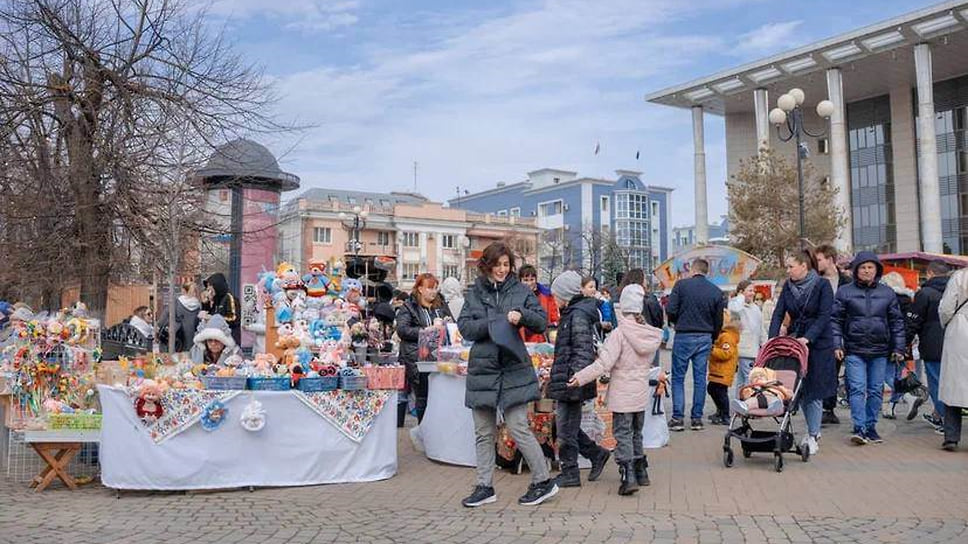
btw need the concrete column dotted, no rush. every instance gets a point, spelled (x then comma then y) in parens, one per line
(839, 160)
(761, 108)
(928, 153)
(702, 214)
(906, 216)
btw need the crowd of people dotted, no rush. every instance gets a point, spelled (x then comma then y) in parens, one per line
(852, 319)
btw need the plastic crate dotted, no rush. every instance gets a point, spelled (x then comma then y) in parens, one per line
(353, 383)
(282, 383)
(317, 384)
(74, 421)
(224, 383)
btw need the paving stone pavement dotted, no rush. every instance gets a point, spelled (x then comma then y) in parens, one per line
(905, 490)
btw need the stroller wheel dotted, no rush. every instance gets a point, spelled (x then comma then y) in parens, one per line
(747, 453)
(804, 453)
(727, 457)
(778, 462)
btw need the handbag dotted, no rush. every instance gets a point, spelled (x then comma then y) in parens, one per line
(907, 383)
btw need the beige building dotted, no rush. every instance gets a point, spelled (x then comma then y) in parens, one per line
(408, 232)
(895, 144)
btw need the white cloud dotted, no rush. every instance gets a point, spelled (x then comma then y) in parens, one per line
(306, 15)
(768, 38)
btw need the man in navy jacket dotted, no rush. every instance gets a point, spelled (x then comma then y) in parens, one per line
(868, 328)
(696, 309)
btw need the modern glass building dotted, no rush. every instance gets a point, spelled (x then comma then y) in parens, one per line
(896, 144)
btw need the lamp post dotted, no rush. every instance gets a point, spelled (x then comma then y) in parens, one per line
(355, 224)
(789, 112)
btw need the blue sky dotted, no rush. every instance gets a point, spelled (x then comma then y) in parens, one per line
(481, 92)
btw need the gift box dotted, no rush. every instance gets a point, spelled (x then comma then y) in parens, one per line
(384, 377)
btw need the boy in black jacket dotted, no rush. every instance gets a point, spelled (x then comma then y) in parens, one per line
(923, 321)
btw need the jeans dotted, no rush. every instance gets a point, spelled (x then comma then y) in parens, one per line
(516, 420)
(627, 430)
(952, 424)
(865, 378)
(690, 347)
(812, 413)
(743, 374)
(571, 439)
(720, 395)
(933, 371)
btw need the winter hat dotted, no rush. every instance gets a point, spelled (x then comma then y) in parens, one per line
(567, 285)
(215, 329)
(632, 299)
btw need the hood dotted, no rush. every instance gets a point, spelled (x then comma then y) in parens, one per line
(729, 334)
(867, 257)
(219, 283)
(581, 303)
(938, 283)
(451, 288)
(643, 338)
(190, 303)
(215, 329)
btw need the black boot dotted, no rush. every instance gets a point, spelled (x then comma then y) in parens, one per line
(569, 477)
(598, 464)
(641, 471)
(628, 485)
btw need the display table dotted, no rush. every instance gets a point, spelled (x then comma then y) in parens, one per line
(296, 447)
(447, 429)
(57, 448)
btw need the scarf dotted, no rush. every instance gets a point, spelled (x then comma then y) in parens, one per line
(802, 289)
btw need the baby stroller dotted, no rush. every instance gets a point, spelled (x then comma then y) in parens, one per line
(788, 359)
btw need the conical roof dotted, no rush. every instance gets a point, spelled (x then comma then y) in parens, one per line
(247, 162)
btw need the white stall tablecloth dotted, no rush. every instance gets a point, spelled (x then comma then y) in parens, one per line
(447, 429)
(296, 447)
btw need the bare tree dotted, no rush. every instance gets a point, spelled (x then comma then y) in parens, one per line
(764, 209)
(105, 105)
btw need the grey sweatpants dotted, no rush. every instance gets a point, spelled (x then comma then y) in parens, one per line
(516, 421)
(627, 430)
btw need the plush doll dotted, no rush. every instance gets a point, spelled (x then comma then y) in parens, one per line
(336, 276)
(316, 280)
(763, 391)
(334, 325)
(148, 406)
(352, 293)
(289, 344)
(331, 353)
(287, 274)
(264, 363)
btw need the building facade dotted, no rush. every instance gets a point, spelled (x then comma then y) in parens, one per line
(406, 232)
(895, 145)
(684, 238)
(585, 222)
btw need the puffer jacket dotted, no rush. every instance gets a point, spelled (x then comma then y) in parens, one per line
(750, 318)
(724, 357)
(497, 377)
(866, 318)
(627, 356)
(923, 320)
(411, 319)
(550, 306)
(574, 349)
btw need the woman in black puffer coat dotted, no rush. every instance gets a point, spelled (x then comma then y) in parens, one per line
(424, 309)
(500, 375)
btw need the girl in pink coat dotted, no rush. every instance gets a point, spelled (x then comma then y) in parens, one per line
(627, 356)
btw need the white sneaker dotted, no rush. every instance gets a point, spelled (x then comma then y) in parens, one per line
(811, 444)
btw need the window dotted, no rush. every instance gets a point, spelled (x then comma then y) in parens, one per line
(550, 208)
(655, 209)
(502, 213)
(411, 239)
(322, 235)
(383, 238)
(410, 271)
(557, 180)
(604, 205)
(447, 241)
(515, 212)
(823, 146)
(351, 199)
(385, 203)
(451, 271)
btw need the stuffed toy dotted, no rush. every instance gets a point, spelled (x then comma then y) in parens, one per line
(148, 406)
(289, 344)
(331, 353)
(253, 416)
(316, 280)
(336, 276)
(317, 332)
(288, 275)
(263, 364)
(763, 391)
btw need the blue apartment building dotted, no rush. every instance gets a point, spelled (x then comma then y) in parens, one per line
(583, 218)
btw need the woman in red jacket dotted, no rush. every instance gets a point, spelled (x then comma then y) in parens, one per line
(529, 276)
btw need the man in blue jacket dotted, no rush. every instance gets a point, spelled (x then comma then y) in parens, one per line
(695, 308)
(868, 327)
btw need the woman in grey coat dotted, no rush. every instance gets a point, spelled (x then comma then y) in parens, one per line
(500, 375)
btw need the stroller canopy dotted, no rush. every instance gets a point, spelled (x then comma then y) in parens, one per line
(784, 346)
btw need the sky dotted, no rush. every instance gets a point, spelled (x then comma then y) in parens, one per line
(482, 92)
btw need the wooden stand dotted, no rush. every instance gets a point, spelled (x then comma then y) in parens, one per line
(57, 455)
(271, 334)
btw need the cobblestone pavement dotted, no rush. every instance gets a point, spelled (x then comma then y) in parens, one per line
(905, 490)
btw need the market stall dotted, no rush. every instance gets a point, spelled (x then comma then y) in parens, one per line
(301, 442)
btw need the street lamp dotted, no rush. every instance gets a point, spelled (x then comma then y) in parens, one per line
(789, 111)
(355, 224)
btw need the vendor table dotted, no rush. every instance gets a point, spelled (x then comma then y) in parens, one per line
(296, 447)
(447, 429)
(57, 448)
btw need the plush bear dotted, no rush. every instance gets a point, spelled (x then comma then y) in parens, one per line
(317, 282)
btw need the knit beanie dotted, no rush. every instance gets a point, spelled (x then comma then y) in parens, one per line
(567, 285)
(632, 299)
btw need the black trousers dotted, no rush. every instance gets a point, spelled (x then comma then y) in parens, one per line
(830, 403)
(720, 396)
(571, 439)
(952, 424)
